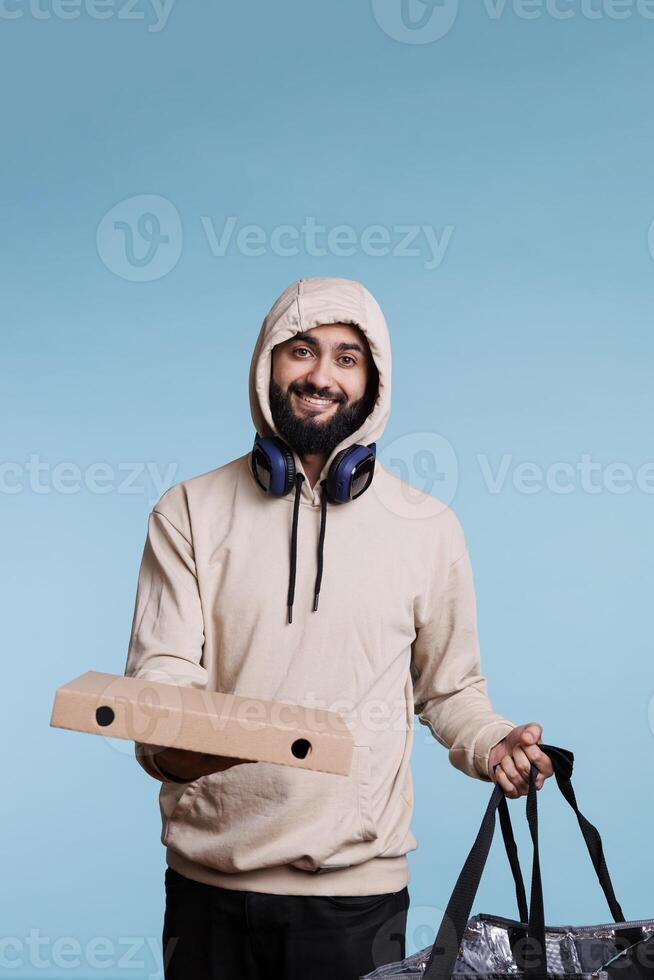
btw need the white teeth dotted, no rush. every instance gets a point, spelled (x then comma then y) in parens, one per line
(316, 401)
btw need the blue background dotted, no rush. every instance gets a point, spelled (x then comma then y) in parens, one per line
(532, 340)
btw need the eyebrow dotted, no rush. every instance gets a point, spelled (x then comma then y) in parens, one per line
(314, 342)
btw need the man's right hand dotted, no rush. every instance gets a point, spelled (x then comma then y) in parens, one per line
(188, 765)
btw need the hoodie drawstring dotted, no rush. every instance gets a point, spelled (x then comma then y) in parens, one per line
(321, 543)
(291, 578)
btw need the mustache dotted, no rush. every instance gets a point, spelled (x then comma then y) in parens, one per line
(316, 394)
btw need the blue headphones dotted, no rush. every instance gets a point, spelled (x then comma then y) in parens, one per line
(350, 472)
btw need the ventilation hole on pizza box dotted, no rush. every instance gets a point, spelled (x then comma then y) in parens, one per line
(301, 748)
(104, 715)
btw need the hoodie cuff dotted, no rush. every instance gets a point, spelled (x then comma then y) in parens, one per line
(487, 739)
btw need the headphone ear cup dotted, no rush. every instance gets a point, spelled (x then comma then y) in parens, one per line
(274, 456)
(340, 482)
(333, 474)
(289, 464)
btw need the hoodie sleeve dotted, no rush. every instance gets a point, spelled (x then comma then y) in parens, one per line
(167, 633)
(449, 690)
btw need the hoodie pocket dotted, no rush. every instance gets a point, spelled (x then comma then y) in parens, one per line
(357, 824)
(183, 802)
(263, 815)
(364, 794)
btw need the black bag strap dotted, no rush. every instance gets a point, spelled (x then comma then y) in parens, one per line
(514, 860)
(562, 761)
(442, 958)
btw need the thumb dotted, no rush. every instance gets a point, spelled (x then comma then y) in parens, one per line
(531, 733)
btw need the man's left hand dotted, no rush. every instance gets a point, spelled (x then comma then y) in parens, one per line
(513, 757)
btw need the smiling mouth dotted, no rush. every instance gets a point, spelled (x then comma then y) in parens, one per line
(316, 403)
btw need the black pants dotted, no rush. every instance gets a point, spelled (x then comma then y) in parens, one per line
(213, 933)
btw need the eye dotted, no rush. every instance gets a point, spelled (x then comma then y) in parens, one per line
(296, 349)
(349, 358)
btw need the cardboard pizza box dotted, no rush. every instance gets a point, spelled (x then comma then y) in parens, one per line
(204, 721)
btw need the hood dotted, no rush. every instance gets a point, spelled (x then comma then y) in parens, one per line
(305, 304)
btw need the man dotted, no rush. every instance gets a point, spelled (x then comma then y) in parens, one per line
(275, 871)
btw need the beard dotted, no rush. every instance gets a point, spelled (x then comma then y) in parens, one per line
(309, 435)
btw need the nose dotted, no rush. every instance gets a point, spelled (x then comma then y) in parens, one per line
(320, 375)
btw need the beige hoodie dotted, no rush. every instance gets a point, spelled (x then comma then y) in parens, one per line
(395, 635)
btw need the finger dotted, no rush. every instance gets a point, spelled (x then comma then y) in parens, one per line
(523, 759)
(540, 759)
(522, 763)
(533, 732)
(503, 780)
(514, 778)
(508, 766)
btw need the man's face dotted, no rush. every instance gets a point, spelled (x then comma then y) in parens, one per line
(333, 363)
